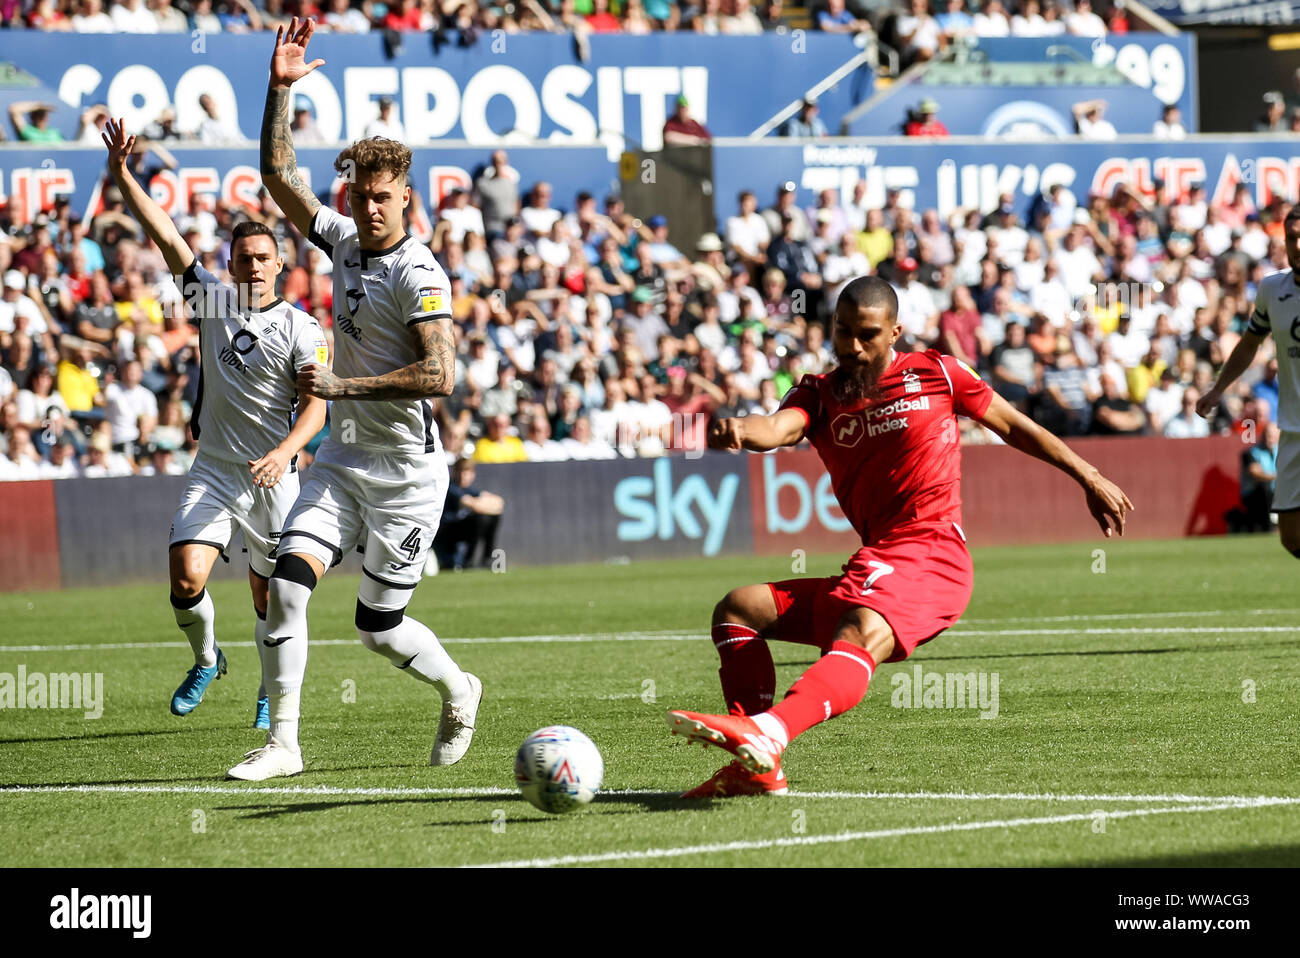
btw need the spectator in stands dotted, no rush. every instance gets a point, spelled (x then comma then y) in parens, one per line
(1170, 124)
(1028, 21)
(742, 21)
(806, 123)
(1274, 118)
(1090, 120)
(133, 16)
(1258, 477)
(499, 445)
(303, 127)
(168, 18)
(470, 520)
(955, 22)
(926, 121)
(1115, 414)
(992, 20)
(386, 123)
(786, 196)
(345, 18)
(215, 130)
(1187, 424)
(91, 18)
(31, 122)
(918, 33)
(684, 130)
(1083, 22)
(836, 19)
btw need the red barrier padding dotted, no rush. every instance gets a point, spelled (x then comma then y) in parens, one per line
(1179, 487)
(29, 537)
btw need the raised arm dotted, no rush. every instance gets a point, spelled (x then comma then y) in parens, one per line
(1106, 501)
(176, 252)
(279, 162)
(311, 417)
(432, 375)
(759, 433)
(1239, 360)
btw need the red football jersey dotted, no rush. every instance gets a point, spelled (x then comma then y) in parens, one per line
(895, 461)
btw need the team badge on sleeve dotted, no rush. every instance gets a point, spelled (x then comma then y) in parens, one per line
(430, 300)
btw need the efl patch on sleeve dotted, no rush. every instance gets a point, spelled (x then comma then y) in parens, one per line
(430, 300)
(973, 373)
(322, 354)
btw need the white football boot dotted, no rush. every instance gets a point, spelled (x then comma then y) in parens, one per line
(272, 760)
(456, 726)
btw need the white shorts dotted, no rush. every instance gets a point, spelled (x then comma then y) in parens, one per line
(390, 505)
(1286, 490)
(220, 496)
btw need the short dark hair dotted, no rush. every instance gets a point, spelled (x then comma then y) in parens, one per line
(252, 228)
(870, 292)
(1292, 215)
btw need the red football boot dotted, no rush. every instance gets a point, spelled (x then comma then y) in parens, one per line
(734, 780)
(738, 734)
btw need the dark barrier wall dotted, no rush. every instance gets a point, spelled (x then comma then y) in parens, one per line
(106, 531)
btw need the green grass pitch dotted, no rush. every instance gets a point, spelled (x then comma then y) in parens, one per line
(1147, 714)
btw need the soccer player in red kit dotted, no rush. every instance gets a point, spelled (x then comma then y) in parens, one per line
(885, 425)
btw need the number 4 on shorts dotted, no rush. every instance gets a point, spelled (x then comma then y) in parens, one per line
(412, 544)
(882, 569)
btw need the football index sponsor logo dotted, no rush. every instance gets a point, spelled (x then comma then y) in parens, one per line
(57, 690)
(76, 911)
(896, 407)
(846, 430)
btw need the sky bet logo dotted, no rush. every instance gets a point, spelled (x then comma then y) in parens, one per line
(654, 509)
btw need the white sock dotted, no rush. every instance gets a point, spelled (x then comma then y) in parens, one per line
(198, 624)
(414, 649)
(772, 727)
(284, 718)
(284, 660)
(259, 633)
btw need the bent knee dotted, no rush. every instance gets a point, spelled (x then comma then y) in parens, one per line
(867, 629)
(744, 606)
(373, 625)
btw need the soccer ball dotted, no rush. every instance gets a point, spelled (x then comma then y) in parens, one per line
(558, 768)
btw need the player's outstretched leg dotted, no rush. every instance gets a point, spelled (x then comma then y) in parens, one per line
(412, 647)
(284, 663)
(190, 565)
(834, 684)
(748, 679)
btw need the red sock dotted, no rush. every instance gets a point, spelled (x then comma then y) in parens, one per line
(834, 684)
(747, 673)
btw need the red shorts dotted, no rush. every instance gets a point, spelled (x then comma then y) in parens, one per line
(919, 582)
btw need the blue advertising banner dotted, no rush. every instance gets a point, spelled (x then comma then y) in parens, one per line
(516, 88)
(30, 177)
(1160, 70)
(1227, 11)
(970, 173)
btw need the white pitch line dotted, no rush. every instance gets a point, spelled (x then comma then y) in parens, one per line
(1244, 801)
(1135, 630)
(844, 837)
(667, 636)
(1101, 616)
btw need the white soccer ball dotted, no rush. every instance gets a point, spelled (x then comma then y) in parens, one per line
(558, 768)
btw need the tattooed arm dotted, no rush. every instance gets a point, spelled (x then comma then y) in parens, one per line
(279, 162)
(434, 374)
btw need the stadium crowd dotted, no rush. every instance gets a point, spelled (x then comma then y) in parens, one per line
(918, 28)
(586, 333)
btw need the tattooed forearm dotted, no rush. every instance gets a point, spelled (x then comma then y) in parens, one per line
(434, 374)
(278, 160)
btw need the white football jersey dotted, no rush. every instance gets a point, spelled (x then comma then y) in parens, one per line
(378, 296)
(248, 373)
(1277, 309)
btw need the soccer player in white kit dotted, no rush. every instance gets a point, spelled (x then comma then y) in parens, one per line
(380, 479)
(1277, 311)
(251, 346)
